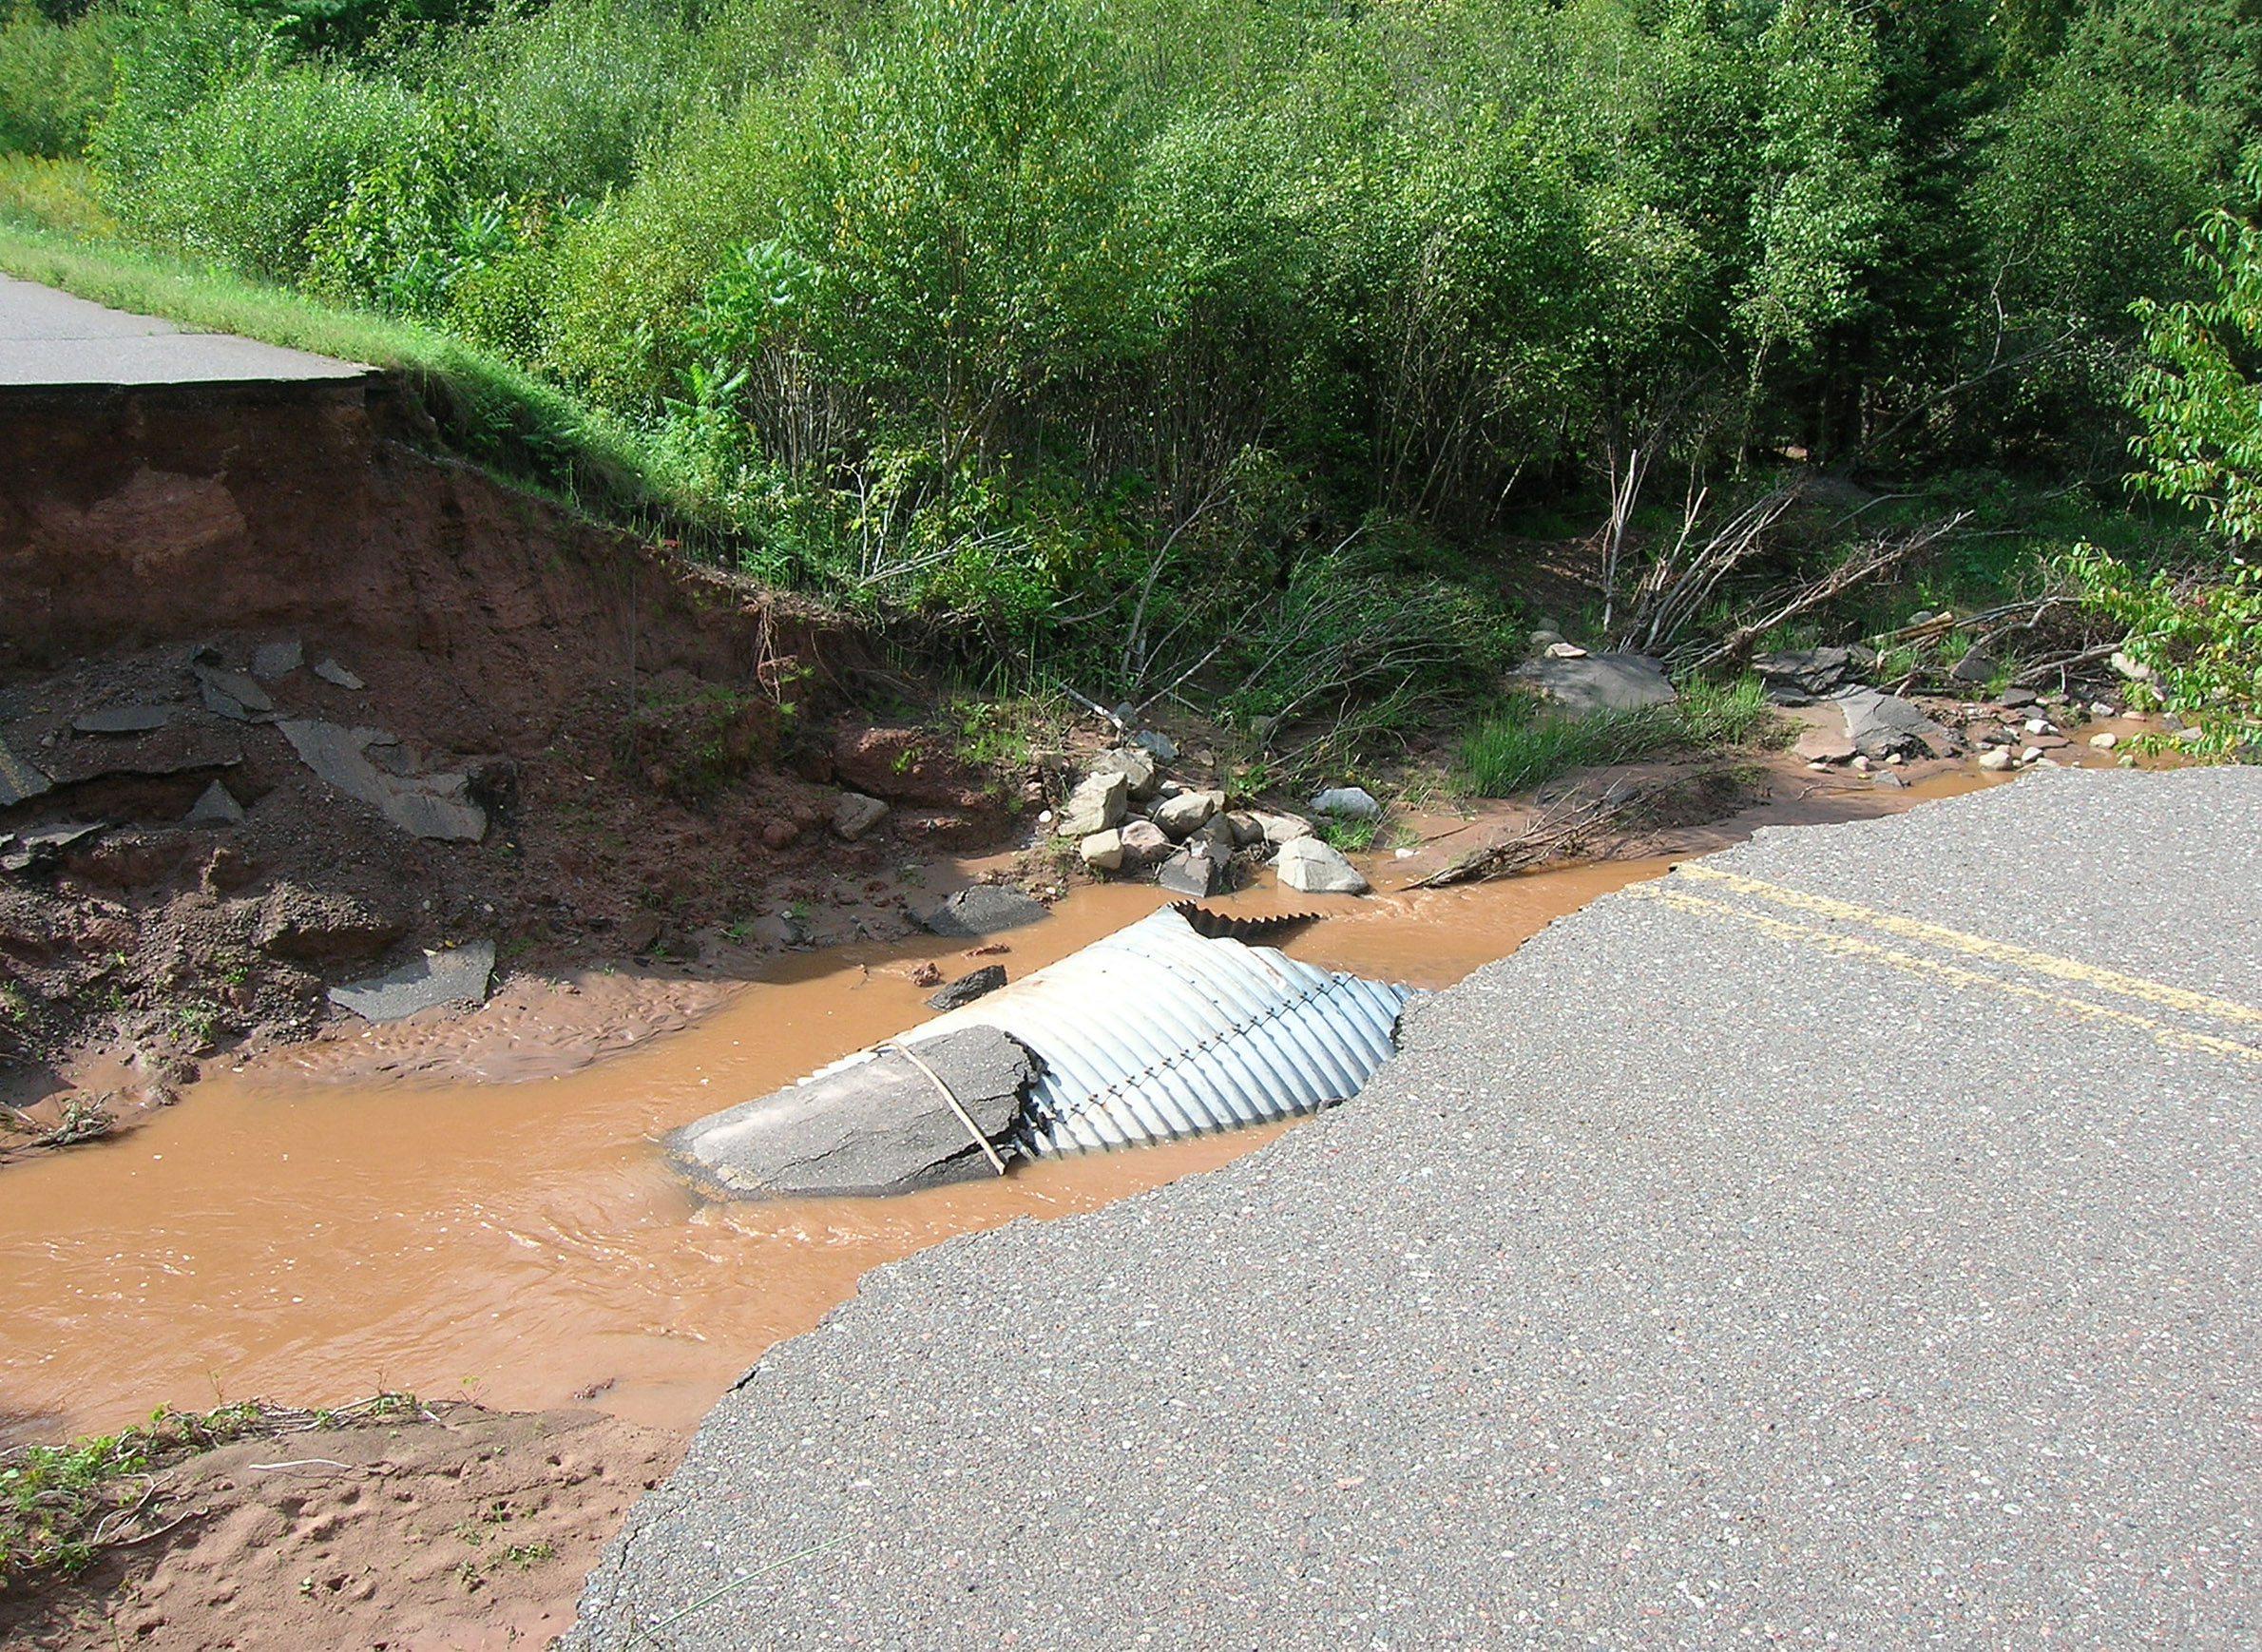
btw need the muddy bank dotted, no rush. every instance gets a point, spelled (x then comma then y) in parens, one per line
(451, 1526)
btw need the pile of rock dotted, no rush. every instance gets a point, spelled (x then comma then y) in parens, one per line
(1125, 814)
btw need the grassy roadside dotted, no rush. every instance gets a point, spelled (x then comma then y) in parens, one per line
(485, 409)
(1523, 744)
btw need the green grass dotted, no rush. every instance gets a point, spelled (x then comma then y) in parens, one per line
(485, 408)
(1523, 744)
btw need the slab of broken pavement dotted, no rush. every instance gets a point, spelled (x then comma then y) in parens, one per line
(1848, 1237)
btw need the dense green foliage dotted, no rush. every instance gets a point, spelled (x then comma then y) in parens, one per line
(1148, 343)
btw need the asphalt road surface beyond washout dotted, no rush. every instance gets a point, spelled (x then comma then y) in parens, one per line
(51, 339)
(1851, 1238)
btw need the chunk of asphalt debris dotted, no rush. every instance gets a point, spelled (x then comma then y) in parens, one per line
(332, 672)
(36, 849)
(436, 806)
(855, 814)
(984, 910)
(1798, 675)
(1199, 868)
(455, 975)
(123, 720)
(217, 807)
(271, 661)
(879, 1122)
(1317, 868)
(968, 987)
(19, 780)
(231, 694)
(1347, 803)
(1164, 749)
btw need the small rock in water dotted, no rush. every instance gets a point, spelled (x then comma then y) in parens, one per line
(855, 814)
(1102, 850)
(1890, 781)
(1349, 802)
(1317, 868)
(332, 672)
(1197, 869)
(1861, 762)
(2030, 754)
(1996, 758)
(217, 807)
(970, 987)
(274, 660)
(984, 910)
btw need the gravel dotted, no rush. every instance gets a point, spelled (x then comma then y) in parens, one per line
(1685, 1279)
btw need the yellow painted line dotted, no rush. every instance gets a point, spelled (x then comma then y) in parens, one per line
(1954, 974)
(1982, 946)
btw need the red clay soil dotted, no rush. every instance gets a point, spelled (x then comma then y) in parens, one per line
(652, 741)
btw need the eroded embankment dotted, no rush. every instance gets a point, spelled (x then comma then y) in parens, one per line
(532, 731)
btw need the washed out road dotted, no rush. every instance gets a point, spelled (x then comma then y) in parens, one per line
(50, 339)
(1851, 1238)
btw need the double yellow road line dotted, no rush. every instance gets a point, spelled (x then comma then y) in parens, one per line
(1672, 891)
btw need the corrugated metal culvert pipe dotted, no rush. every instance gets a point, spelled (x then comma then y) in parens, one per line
(1171, 1028)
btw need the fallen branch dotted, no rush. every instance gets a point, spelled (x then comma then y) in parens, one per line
(1563, 830)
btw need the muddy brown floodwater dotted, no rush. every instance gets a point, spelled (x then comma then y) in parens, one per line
(523, 1244)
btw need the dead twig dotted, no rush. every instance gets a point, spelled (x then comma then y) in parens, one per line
(1563, 830)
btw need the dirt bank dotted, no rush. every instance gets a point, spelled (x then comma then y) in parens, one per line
(554, 737)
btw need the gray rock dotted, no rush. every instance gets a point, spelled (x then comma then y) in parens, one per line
(1197, 870)
(1144, 842)
(1798, 674)
(984, 910)
(874, 1126)
(455, 975)
(1889, 783)
(1542, 640)
(1348, 803)
(1095, 805)
(854, 814)
(1601, 682)
(1822, 746)
(1246, 828)
(1996, 758)
(231, 694)
(1102, 850)
(1135, 764)
(1316, 868)
(274, 660)
(20, 782)
(1881, 725)
(332, 672)
(2014, 698)
(968, 988)
(1188, 810)
(1164, 749)
(436, 806)
(123, 720)
(1280, 829)
(1974, 667)
(217, 807)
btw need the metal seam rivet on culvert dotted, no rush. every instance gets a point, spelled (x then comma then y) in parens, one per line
(1152, 1034)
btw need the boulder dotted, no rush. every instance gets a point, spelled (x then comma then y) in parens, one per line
(453, 975)
(1974, 668)
(1163, 747)
(1144, 842)
(1600, 683)
(1246, 828)
(876, 1125)
(1197, 869)
(854, 814)
(1102, 850)
(1280, 829)
(1135, 764)
(1882, 725)
(1187, 811)
(968, 987)
(1823, 745)
(1316, 868)
(1096, 804)
(1346, 803)
(984, 910)
(1996, 758)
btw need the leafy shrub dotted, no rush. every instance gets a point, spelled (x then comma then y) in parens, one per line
(54, 80)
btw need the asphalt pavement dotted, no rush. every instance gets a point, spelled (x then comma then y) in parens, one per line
(50, 338)
(1849, 1239)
